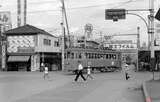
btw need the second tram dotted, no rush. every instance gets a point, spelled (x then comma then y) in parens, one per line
(97, 59)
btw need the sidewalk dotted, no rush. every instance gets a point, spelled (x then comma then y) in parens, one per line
(151, 90)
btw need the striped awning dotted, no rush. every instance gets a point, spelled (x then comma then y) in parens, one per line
(18, 58)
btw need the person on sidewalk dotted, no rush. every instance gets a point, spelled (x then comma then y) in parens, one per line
(89, 73)
(79, 71)
(126, 71)
(46, 74)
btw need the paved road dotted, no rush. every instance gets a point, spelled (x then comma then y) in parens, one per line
(105, 87)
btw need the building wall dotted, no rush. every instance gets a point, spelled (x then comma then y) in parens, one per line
(49, 46)
(21, 44)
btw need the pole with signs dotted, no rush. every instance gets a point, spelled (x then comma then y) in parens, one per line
(151, 31)
(5, 19)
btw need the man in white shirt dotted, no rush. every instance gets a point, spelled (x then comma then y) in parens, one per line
(79, 72)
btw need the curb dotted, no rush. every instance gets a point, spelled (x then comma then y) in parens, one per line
(146, 94)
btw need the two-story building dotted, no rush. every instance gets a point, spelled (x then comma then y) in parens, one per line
(28, 47)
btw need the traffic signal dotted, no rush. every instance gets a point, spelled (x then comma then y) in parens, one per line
(115, 14)
(158, 15)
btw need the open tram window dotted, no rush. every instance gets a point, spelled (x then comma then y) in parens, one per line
(76, 55)
(115, 57)
(86, 55)
(64, 55)
(80, 55)
(107, 56)
(95, 56)
(102, 56)
(112, 56)
(72, 55)
(91, 55)
(68, 54)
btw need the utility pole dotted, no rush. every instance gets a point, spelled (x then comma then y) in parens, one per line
(63, 34)
(151, 31)
(138, 44)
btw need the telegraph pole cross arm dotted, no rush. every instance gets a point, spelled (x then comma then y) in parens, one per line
(115, 14)
(157, 16)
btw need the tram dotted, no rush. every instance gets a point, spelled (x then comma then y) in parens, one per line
(102, 60)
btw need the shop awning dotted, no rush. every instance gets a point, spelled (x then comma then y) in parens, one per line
(18, 58)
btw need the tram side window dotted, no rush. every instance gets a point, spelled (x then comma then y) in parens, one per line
(72, 55)
(112, 56)
(102, 56)
(95, 56)
(115, 57)
(80, 56)
(68, 55)
(107, 56)
(65, 56)
(77, 55)
(86, 55)
(89, 55)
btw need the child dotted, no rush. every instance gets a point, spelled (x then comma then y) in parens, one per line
(126, 69)
(89, 73)
(46, 72)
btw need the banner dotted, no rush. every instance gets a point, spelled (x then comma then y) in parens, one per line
(121, 46)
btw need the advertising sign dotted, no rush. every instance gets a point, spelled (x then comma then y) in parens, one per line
(121, 46)
(3, 56)
(21, 44)
(5, 18)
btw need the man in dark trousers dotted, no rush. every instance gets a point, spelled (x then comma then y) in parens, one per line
(79, 71)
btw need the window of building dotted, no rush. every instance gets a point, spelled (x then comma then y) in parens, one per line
(47, 42)
(56, 43)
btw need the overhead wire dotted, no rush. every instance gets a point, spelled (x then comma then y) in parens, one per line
(83, 7)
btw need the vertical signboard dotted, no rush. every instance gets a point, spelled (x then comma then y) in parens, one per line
(5, 19)
(3, 56)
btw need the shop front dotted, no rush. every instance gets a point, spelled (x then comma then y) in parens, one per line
(51, 60)
(18, 63)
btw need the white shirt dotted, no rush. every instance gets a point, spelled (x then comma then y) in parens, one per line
(80, 67)
(46, 70)
(88, 71)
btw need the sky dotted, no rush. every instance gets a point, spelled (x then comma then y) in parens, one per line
(46, 14)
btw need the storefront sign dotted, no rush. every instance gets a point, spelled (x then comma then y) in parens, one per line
(121, 46)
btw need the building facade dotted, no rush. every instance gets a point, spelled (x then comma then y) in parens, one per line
(28, 47)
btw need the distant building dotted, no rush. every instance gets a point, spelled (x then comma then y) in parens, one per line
(28, 47)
